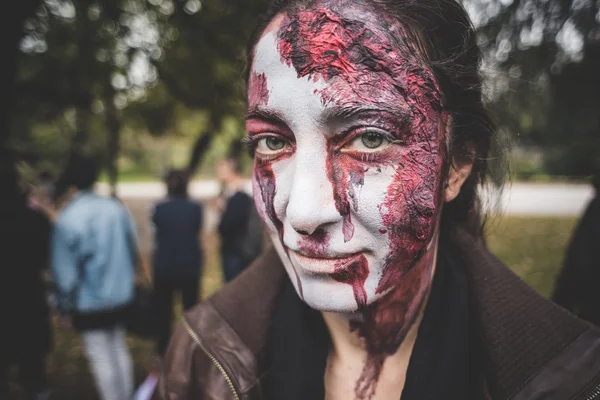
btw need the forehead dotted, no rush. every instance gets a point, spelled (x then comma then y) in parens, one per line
(341, 60)
(292, 96)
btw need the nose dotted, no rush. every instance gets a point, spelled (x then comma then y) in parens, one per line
(311, 206)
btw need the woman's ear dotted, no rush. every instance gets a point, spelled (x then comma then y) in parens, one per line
(456, 177)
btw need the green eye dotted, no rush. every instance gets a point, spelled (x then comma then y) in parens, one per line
(372, 140)
(274, 143)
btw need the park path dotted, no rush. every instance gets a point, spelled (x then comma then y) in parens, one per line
(518, 199)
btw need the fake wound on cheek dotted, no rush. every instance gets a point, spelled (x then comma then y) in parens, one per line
(267, 184)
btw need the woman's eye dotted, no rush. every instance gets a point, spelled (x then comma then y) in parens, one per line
(369, 141)
(372, 140)
(274, 143)
(270, 145)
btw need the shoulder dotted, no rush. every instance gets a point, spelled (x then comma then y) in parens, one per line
(205, 355)
(180, 372)
(241, 198)
(224, 336)
(531, 347)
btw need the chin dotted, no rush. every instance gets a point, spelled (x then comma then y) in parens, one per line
(322, 293)
(325, 294)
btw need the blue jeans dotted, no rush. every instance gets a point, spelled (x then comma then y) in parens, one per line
(110, 362)
(233, 264)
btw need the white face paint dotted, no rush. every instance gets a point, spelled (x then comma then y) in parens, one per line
(336, 259)
(304, 196)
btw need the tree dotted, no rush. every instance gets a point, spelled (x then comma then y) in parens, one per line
(549, 92)
(12, 27)
(90, 68)
(202, 64)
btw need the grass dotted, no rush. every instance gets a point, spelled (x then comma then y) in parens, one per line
(532, 247)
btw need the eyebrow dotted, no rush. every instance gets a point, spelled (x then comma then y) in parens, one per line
(330, 113)
(345, 112)
(261, 113)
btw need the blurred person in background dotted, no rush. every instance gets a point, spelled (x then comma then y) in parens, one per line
(236, 208)
(577, 286)
(42, 194)
(94, 257)
(24, 312)
(178, 255)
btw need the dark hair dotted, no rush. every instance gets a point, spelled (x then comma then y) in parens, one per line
(236, 164)
(448, 46)
(9, 186)
(81, 172)
(45, 176)
(177, 183)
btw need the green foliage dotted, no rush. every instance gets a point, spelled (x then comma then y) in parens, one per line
(545, 55)
(170, 69)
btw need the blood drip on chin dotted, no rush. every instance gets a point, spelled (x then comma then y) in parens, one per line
(354, 273)
(268, 187)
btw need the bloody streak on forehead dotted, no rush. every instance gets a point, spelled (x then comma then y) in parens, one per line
(258, 92)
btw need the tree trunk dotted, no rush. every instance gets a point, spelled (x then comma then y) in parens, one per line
(114, 133)
(203, 143)
(11, 21)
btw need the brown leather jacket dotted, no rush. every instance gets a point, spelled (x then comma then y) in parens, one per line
(529, 348)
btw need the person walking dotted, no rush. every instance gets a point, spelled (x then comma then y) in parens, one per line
(94, 258)
(178, 256)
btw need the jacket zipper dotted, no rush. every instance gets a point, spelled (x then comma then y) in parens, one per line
(217, 364)
(593, 391)
(592, 394)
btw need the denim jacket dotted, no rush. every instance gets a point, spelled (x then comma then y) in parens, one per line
(93, 255)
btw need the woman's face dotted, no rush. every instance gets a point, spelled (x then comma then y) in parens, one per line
(349, 135)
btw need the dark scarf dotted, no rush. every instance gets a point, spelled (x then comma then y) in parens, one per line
(439, 365)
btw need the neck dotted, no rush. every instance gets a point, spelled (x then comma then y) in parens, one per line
(381, 337)
(235, 183)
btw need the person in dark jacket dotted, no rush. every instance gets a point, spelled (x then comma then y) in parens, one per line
(578, 282)
(236, 206)
(370, 141)
(24, 312)
(178, 256)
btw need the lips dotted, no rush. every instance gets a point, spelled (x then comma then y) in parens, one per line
(321, 263)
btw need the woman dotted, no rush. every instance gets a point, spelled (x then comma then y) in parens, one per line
(178, 255)
(370, 139)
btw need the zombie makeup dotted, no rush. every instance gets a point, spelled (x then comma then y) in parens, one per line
(349, 137)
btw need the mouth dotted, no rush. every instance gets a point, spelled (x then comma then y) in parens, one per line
(322, 265)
